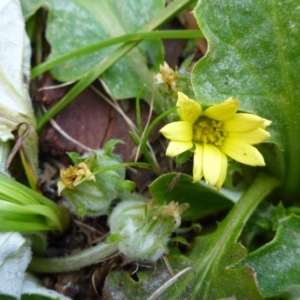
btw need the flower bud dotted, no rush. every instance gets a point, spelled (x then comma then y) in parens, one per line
(142, 228)
(167, 76)
(89, 192)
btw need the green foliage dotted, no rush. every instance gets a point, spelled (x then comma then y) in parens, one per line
(277, 263)
(262, 225)
(213, 256)
(210, 271)
(148, 280)
(81, 23)
(183, 157)
(178, 187)
(94, 197)
(254, 56)
(22, 209)
(15, 104)
(144, 228)
(15, 255)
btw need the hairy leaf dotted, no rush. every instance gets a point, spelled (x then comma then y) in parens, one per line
(15, 256)
(277, 263)
(15, 104)
(77, 23)
(254, 55)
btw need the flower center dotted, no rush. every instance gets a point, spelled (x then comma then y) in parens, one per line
(208, 131)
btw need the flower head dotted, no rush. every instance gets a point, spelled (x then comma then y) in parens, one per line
(213, 134)
(167, 76)
(71, 176)
(143, 228)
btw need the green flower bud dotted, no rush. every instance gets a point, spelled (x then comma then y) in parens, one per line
(89, 192)
(142, 228)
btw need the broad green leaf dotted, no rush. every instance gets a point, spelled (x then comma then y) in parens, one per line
(262, 225)
(32, 290)
(178, 187)
(277, 263)
(15, 104)
(214, 257)
(215, 279)
(254, 56)
(15, 256)
(79, 23)
(131, 289)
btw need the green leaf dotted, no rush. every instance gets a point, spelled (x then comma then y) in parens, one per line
(32, 290)
(277, 263)
(38, 242)
(110, 145)
(24, 209)
(213, 257)
(178, 187)
(254, 56)
(15, 256)
(95, 21)
(183, 157)
(15, 104)
(128, 288)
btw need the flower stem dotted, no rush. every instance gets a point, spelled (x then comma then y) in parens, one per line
(240, 213)
(73, 262)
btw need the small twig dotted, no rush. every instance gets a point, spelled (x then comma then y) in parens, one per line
(173, 182)
(19, 142)
(94, 284)
(129, 122)
(136, 269)
(165, 259)
(52, 87)
(172, 280)
(117, 107)
(66, 135)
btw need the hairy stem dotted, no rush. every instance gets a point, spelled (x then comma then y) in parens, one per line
(73, 262)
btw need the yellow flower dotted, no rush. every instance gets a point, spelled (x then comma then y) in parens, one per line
(71, 176)
(167, 76)
(214, 133)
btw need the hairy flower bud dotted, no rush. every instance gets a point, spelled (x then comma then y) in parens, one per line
(167, 76)
(88, 191)
(142, 228)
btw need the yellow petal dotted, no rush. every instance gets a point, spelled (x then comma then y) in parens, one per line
(253, 137)
(178, 131)
(242, 152)
(188, 110)
(222, 111)
(198, 163)
(223, 173)
(266, 124)
(244, 122)
(60, 187)
(212, 163)
(175, 148)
